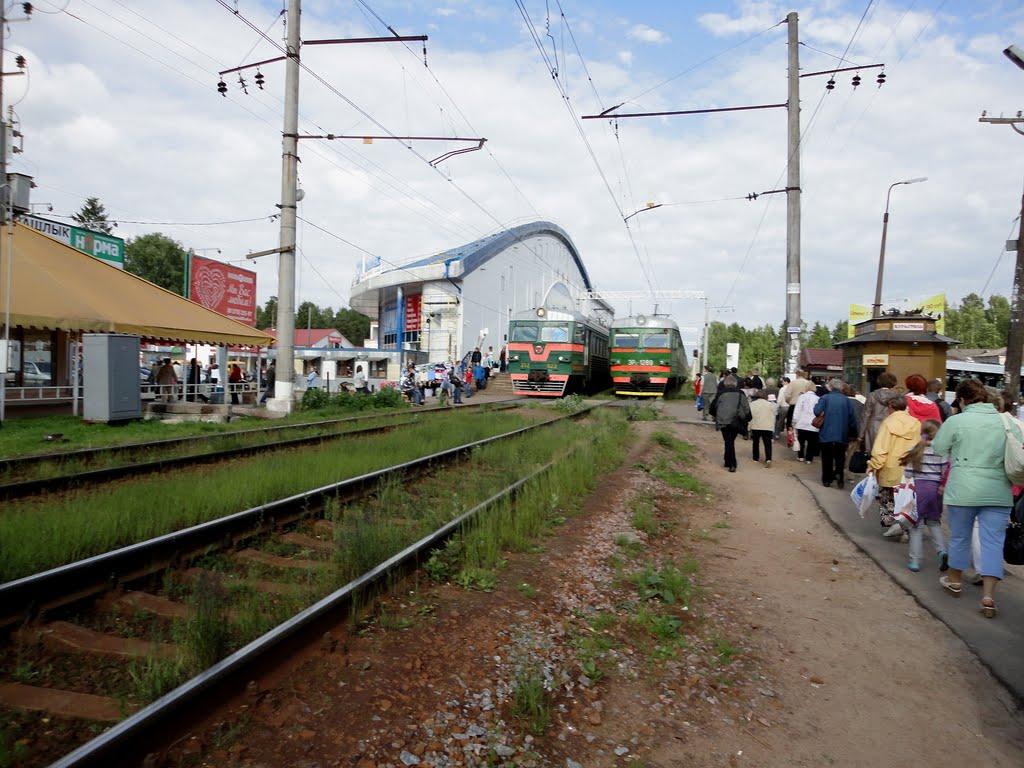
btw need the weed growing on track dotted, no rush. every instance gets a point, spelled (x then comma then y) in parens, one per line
(42, 533)
(530, 700)
(205, 635)
(571, 404)
(669, 583)
(152, 677)
(643, 518)
(638, 412)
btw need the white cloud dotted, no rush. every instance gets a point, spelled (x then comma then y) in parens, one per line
(626, 57)
(162, 145)
(752, 17)
(444, 11)
(646, 34)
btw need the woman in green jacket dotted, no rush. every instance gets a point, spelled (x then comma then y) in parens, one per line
(977, 489)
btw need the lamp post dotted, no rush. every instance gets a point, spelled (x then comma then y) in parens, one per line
(877, 306)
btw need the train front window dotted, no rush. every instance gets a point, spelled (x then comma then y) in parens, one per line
(524, 333)
(626, 340)
(656, 340)
(556, 333)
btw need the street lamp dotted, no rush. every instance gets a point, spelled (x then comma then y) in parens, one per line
(648, 207)
(877, 306)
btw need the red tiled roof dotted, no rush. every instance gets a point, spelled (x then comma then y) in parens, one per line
(821, 358)
(307, 338)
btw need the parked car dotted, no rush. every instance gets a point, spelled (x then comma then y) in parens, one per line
(34, 374)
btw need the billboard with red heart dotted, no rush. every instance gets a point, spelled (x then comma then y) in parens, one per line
(224, 288)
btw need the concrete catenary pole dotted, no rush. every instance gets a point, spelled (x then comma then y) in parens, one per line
(707, 329)
(1015, 338)
(793, 201)
(282, 400)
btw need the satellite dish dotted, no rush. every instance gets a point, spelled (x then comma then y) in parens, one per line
(640, 320)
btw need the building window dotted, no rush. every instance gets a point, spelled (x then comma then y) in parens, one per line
(390, 339)
(411, 336)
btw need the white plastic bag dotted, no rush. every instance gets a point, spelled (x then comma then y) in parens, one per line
(905, 503)
(864, 493)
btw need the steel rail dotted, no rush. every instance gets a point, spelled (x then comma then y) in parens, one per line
(131, 740)
(52, 483)
(83, 579)
(15, 462)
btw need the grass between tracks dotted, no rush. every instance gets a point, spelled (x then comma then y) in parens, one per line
(230, 608)
(40, 533)
(219, 441)
(27, 436)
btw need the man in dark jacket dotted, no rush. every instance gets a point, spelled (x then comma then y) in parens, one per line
(934, 394)
(731, 411)
(839, 427)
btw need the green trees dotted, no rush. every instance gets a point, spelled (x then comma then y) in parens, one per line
(353, 325)
(156, 258)
(976, 326)
(92, 215)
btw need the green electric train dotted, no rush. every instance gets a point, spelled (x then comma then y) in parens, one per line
(647, 356)
(556, 351)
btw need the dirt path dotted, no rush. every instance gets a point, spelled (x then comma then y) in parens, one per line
(788, 648)
(864, 676)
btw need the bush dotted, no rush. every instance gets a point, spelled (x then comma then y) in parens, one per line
(387, 397)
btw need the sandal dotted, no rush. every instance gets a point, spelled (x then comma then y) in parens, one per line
(953, 587)
(988, 607)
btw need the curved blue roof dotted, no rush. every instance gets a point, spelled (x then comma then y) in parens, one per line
(478, 252)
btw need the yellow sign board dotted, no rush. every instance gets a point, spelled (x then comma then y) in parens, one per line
(936, 307)
(876, 360)
(858, 314)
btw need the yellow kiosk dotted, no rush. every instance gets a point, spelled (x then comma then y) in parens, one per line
(900, 343)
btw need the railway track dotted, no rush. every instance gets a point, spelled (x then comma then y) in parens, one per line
(81, 582)
(14, 463)
(61, 482)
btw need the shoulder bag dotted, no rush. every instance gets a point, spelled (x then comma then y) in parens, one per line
(1013, 546)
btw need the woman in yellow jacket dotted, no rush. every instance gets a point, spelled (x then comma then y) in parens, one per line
(898, 433)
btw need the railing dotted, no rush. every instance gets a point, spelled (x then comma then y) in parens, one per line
(39, 394)
(245, 391)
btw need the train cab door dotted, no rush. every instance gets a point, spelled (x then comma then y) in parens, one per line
(583, 334)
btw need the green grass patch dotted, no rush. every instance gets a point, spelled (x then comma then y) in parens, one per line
(669, 583)
(644, 518)
(682, 480)
(683, 451)
(530, 700)
(527, 590)
(41, 533)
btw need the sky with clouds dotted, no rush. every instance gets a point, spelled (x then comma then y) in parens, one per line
(121, 103)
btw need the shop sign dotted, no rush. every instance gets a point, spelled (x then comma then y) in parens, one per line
(413, 305)
(106, 248)
(908, 326)
(874, 361)
(223, 288)
(858, 314)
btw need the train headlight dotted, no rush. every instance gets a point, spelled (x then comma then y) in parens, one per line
(562, 359)
(515, 358)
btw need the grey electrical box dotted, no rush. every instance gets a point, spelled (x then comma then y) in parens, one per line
(111, 376)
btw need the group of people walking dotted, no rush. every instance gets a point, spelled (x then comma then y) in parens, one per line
(923, 454)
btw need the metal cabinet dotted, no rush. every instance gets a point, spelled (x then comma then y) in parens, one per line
(111, 377)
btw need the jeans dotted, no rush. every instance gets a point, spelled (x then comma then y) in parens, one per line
(417, 396)
(757, 436)
(457, 394)
(708, 397)
(808, 440)
(833, 462)
(729, 436)
(992, 523)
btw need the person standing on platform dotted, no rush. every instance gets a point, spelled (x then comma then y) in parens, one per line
(708, 389)
(838, 427)
(731, 411)
(762, 425)
(271, 381)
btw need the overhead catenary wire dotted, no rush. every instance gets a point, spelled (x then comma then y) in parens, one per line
(323, 81)
(579, 128)
(1002, 252)
(366, 164)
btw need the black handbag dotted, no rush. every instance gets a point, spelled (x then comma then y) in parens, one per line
(859, 462)
(1013, 546)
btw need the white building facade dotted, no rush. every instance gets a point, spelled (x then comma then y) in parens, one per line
(442, 306)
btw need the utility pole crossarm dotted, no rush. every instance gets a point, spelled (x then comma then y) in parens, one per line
(606, 116)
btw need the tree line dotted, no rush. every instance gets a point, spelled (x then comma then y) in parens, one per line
(161, 260)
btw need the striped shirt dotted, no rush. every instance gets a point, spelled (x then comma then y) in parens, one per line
(932, 466)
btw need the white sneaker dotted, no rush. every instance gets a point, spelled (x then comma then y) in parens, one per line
(894, 531)
(768, 463)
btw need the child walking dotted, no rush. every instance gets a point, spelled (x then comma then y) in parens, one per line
(929, 473)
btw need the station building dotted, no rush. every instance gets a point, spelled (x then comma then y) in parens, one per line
(440, 307)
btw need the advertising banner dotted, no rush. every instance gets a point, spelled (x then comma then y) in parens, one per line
(858, 314)
(732, 355)
(223, 288)
(412, 311)
(936, 307)
(106, 248)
